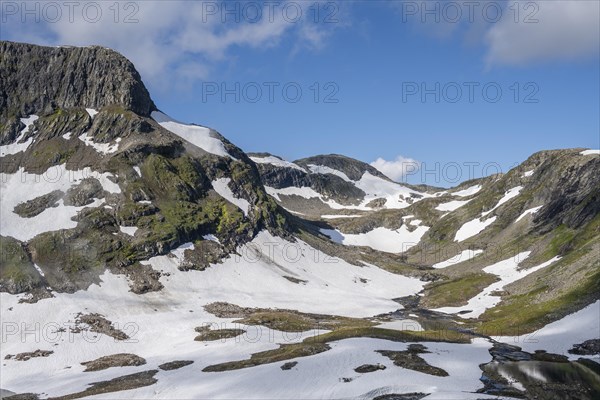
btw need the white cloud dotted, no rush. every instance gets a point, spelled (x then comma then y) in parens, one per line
(566, 30)
(398, 168)
(171, 40)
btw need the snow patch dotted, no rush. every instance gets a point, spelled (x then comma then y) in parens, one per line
(322, 169)
(394, 193)
(104, 148)
(451, 205)
(530, 211)
(276, 161)
(128, 230)
(527, 174)
(211, 237)
(464, 255)
(221, 186)
(468, 191)
(402, 325)
(304, 192)
(92, 113)
(472, 228)
(382, 239)
(22, 186)
(38, 269)
(508, 272)
(17, 147)
(510, 194)
(138, 170)
(199, 136)
(590, 152)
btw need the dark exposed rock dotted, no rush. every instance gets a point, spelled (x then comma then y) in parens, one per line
(39, 80)
(587, 348)
(84, 193)
(365, 368)
(289, 365)
(99, 324)
(17, 272)
(172, 365)
(205, 252)
(117, 123)
(121, 383)
(410, 359)
(33, 354)
(377, 203)
(295, 280)
(403, 396)
(570, 189)
(10, 130)
(142, 278)
(506, 352)
(31, 208)
(74, 121)
(113, 360)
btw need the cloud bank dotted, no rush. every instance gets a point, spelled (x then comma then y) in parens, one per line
(168, 41)
(397, 169)
(565, 30)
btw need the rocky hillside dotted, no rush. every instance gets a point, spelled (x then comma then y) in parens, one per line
(545, 209)
(95, 177)
(332, 184)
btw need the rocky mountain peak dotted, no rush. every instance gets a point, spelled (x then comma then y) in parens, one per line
(354, 169)
(38, 80)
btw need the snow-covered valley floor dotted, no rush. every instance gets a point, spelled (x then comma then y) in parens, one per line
(161, 329)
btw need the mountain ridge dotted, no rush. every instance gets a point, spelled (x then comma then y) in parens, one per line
(123, 205)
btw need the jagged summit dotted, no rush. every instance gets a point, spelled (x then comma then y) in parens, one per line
(38, 80)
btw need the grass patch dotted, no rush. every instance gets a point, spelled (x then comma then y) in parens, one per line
(293, 321)
(521, 314)
(207, 335)
(392, 335)
(456, 292)
(285, 352)
(320, 343)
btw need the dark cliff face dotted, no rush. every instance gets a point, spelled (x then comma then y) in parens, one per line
(569, 187)
(39, 80)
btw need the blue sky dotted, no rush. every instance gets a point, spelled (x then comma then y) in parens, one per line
(372, 59)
